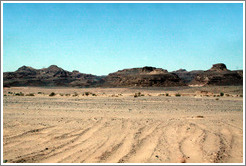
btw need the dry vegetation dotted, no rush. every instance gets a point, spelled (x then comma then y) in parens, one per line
(121, 125)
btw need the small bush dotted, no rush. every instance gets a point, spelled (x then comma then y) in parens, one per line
(75, 94)
(93, 94)
(61, 94)
(52, 94)
(40, 93)
(30, 94)
(19, 94)
(138, 94)
(167, 94)
(177, 95)
(67, 94)
(87, 93)
(4, 95)
(221, 94)
(10, 92)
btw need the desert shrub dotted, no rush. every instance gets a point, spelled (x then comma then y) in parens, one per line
(221, 94)
(217, 99)
(52, 94)
(75, 94)
(167, 94)
(40, 93)
(93, 94)
(30, 94)
(177, 95)
(61, 94)
(138, 94)
(10, 92)
(4, 95)
(87, 93)
(19, 94)
(67, 94)
(240, 95)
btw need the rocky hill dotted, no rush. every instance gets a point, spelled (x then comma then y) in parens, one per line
(143, 77)
(135, 77)
(51, 76)
(218, 75)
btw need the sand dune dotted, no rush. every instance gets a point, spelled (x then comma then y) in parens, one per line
(124, 129)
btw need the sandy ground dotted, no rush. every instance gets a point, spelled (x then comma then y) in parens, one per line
(115, 127)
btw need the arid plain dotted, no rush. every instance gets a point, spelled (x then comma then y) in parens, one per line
(123, 125)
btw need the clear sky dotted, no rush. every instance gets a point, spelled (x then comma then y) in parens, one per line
(103, 38)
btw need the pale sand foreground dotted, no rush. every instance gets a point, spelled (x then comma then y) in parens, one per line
(105, 128)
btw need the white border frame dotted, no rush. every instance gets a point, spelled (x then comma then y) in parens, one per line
(243, 2)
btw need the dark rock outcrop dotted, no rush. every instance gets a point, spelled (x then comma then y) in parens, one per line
(219, 67)
(187, 76)
(139, 77)
(142, 77)
(218, 75)
(51, 76)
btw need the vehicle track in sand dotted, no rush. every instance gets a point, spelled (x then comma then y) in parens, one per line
(161, 132)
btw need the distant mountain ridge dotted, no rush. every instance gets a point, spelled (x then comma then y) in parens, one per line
(51, 76)
(146, 76)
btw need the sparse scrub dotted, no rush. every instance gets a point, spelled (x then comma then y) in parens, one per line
(138, 94)
(167, 94)
(177, 95)
(30, 94)
(40, 93)
(52, 94)
(10, 92)
(221, 94)
(67, 94)
(93, 94)
(75, 94)
(61, 94)
(217, 99)
(86, 93)
(4, 95)
(19, 94)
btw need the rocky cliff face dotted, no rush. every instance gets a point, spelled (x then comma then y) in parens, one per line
(135, 77)
(219, 75)
(143, 77)
(187, 76)
(51, 76)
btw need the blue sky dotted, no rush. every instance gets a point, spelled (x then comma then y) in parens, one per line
(103, 38)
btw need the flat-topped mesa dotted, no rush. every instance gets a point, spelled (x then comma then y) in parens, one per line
(142, 77)
(218, 75)
(218, 67)
(140, 71)
(153, 70)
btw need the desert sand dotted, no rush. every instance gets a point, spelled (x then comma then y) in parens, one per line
(110, 125)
